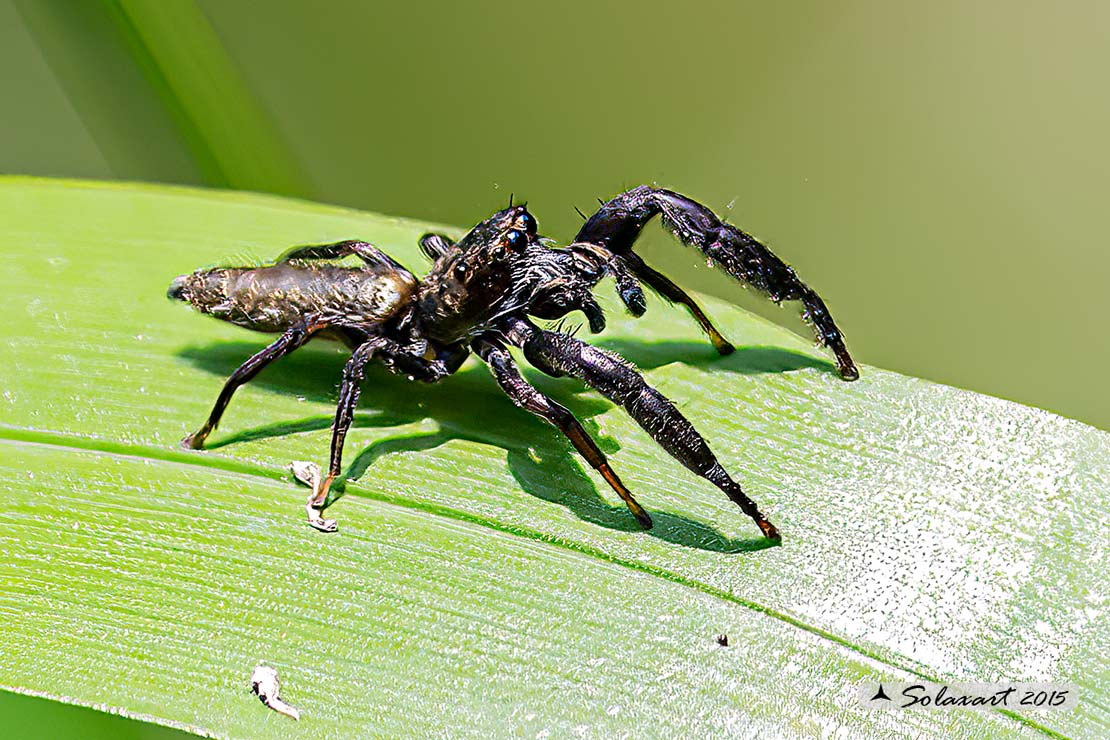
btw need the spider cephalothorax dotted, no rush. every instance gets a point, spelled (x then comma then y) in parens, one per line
(480, 296)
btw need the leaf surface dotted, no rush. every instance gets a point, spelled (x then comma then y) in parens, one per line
(483, 581)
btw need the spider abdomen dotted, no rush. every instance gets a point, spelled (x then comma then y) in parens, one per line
(275, 298)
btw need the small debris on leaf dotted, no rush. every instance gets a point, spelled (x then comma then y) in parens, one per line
(722, 640)
(308, 473)
(264, 683)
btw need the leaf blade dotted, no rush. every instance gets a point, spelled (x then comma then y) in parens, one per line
(805, 444)
(231, 138)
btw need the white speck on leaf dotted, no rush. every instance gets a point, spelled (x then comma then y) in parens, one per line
(264, 683)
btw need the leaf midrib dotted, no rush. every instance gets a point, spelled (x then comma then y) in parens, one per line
(19, 435)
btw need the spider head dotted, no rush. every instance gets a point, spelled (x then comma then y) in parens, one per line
(480, 276)
(504, 234)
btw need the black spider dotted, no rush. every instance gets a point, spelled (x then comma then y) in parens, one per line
(479, 296)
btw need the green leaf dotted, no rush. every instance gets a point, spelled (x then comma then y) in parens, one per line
(482, 582)
(230, 136)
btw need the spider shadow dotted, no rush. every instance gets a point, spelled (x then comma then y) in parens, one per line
(744, 361)
(469, 406)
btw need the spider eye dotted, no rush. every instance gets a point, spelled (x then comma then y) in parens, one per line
(516, 240)
(529, 223)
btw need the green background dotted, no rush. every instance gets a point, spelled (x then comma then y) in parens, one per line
(938, 171)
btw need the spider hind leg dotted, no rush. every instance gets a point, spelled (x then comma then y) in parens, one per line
(292, 339)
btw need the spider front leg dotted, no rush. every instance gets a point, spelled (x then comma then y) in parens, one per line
(618, 381)
(524, 395)
(397, 359)
(618, 223)
(662, 285)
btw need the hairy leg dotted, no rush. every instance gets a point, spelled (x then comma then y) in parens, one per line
(618, 223)
(616, 379)
(527, 397)
(394, 357)
(286, 343)
(365, 251)
(662, 285)
(435, 246)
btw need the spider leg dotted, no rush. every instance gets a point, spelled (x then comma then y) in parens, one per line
(617, 380)
(618, 223)
(664, 287)
(365, 251)
(524, 395)
(628, 284)
(435, 246)
(286, 343)
(395, 358)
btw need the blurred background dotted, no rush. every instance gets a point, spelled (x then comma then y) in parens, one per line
(936, 170)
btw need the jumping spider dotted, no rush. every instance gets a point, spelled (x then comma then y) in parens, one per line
(481, 296)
